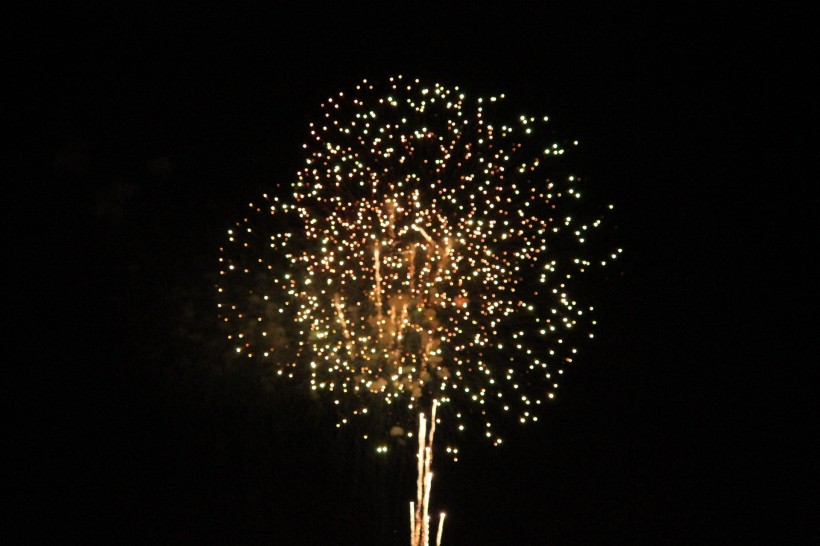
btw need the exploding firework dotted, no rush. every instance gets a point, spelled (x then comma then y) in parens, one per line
(429, 251)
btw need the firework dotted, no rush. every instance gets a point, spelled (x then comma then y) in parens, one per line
(428, 252)
(428, 257)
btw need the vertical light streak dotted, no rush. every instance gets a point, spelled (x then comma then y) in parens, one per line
(420, 509)
(440, 528)
(377, 289)
(413, 539)
(420, 515)
(428, 484)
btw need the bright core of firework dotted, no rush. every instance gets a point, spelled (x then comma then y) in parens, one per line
(428, 252)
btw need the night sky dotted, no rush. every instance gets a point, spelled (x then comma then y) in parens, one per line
(146, 132)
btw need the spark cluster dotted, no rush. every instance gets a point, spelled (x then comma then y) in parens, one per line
(428, 252)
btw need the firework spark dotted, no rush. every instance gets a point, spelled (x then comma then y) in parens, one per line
(428, 253)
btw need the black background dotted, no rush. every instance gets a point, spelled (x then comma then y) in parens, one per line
(147, 129)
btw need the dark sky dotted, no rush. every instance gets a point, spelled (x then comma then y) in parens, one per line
(148, 129)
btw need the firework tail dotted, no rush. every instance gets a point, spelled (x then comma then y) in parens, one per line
(420, 509)
(440, 528)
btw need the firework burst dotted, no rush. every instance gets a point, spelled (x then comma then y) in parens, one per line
(429, 252)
